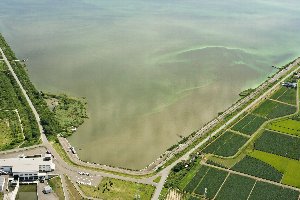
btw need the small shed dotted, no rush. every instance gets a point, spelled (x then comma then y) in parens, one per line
(47, 189)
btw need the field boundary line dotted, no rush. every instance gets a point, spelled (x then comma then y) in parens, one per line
(201, 179)
(239, 133)
(252, 189)
(282, 133)
(282, 102)
(221, 185)
(253, 177)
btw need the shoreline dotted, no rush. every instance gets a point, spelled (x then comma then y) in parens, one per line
(170, 153)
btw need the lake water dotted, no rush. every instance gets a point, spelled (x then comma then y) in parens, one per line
(152, 71)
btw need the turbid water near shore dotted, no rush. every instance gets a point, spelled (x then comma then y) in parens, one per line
(152, 71)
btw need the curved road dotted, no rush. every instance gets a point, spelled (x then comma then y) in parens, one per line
(65, 168)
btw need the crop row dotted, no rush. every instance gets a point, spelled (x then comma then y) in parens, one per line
(289, 126)
(287, 95)
(279, 144)
(272, 109)
(266, 191)
(226, 145)
(249, 124)
(257, 168)
(236, 187)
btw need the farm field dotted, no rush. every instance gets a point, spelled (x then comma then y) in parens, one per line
(212, 181)
(266, 191)
(249, 124)
(288, 126)
(289, 167)
(287, 95)
(279, 144)
(235, 187)
(206, 177)
(11, 99)
(226, 145)
(271, 109)
(255, 167)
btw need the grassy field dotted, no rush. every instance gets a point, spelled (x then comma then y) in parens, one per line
(249, 124)
(114, 189)
(288, 167)
(70, 112)
(288, 126)
(287, 95)
(279, 144)
(72, 191)
(266, 191)
(10, 130)
(271, 109)
(255, 167)
(226, 145)
(55, 184)
(27, 192)
(11, 98)
(235, 187)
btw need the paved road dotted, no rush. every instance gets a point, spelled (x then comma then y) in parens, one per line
(70, 170)
(63, 167)
(164, 173)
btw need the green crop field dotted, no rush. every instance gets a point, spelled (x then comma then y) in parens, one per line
(272, 109)
(266, 191)
(257, 168)
(235, 187)
(287, 95)
(11, 99)
(289, 167)
(279, 144)
(190, 187)
(212, 181)
(288, 126)
(226, 145)
(249, 124)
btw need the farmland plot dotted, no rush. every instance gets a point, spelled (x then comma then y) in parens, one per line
(288, 126)
(272, 109)
(249, 124)
(196, 179)
(226, 145)
(235, 187)
(279, 144)
(287, 95)
(266, 191)
(257, 168)
(212, 181)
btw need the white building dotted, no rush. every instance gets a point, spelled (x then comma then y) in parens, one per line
(2, 183)
(27, 168)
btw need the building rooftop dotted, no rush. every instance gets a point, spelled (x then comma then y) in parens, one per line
(25, 164)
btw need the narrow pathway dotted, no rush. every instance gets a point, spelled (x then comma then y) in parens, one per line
(251, 190)
(282, 102)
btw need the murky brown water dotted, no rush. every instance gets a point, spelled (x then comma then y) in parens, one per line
(152, 71)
